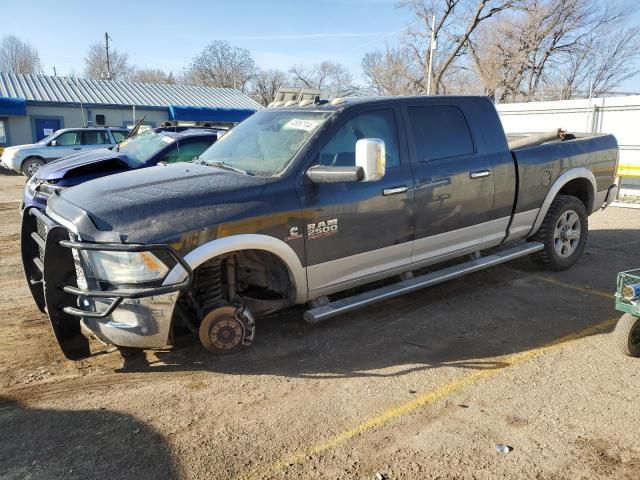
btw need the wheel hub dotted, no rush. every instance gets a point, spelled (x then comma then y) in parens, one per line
(226, 329)
(567, 234)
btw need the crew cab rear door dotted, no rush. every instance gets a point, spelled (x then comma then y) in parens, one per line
(356, 231)
(454, 181)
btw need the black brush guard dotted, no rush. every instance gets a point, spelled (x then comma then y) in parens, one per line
(49, 266)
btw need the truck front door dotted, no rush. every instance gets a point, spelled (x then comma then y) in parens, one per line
(357, 231)
(454, 182)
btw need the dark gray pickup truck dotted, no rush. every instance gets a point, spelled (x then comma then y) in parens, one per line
(300, 202)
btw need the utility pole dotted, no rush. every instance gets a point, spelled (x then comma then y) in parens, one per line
(106, 42)
(432, 48)
(55, 74)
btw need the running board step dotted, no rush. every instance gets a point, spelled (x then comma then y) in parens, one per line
(329, 310)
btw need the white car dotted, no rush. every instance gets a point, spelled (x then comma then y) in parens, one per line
(27, 159)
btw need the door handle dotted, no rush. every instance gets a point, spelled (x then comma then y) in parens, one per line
(394, 190)
(77, 148)
(480, 174)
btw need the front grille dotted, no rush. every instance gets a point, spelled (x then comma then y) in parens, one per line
(41, 230)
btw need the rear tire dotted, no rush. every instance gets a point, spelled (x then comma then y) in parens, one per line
(627, 335)
(31, 165)
(563, 233)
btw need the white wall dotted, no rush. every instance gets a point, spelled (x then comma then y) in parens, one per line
(617, 115)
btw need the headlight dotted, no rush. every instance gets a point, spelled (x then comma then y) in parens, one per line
(31, 185)
(126, 267)
(48, 189)
(9, 155)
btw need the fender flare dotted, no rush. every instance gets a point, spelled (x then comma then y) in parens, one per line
(561, 181)
(215, 248)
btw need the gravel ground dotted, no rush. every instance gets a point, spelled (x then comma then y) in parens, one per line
(423, 386)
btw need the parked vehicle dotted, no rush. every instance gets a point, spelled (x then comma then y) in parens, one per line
(27, 159)
(299, 202)
(166, 144)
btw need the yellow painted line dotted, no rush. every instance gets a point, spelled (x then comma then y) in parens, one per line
(577, 288)
(591, 291)
(422, 401)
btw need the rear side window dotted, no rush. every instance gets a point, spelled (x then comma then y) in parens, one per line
(95, 137)
(439, 131)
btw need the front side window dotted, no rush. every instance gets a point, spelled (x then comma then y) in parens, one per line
(439, 131)
(3, 132)
(340, 150)
(265, 143)
(95, 137)
(68, 138)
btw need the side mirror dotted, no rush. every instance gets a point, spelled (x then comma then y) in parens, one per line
(371, 157)
(326, 174)
(54, 143)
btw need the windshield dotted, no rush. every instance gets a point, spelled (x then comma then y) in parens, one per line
(143, 146)
(265, 143)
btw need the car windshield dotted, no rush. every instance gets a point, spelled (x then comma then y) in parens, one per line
(265, 143)
(145, 145)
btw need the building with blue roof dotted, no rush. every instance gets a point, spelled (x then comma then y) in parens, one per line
(33, 106)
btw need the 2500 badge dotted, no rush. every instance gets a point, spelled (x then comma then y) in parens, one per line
(322, 229)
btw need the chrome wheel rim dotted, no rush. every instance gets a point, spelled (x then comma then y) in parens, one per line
(567, 234)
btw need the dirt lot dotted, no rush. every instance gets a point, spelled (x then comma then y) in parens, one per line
(423, 386)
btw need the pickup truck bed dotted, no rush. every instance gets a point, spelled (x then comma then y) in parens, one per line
(300, 202)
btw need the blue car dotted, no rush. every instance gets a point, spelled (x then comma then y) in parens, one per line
(166, 144)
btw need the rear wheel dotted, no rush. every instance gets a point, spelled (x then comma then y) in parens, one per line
(627, 335)
(563, 232)
(31, 165)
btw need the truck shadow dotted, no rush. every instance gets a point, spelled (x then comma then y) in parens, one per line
(79, 444)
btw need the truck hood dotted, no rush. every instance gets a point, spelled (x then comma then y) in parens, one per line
(101, 160)
(160, 204)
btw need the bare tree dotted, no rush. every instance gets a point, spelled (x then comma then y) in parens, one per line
(456, 22)
(266, 85)
(19, 57)
(153, 75)
(332, 78)
(601, 63)
(393, 71)
(222, 65)
(96, 64)
(557, 46)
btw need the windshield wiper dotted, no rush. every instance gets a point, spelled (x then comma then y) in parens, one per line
(221, 164)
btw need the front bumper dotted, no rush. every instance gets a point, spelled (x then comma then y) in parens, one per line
(132, 317)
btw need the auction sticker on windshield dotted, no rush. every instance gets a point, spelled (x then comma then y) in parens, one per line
(168, 139)
(300, 124)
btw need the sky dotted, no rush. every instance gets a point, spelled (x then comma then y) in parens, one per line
(168, 34)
